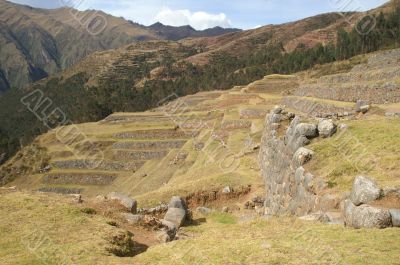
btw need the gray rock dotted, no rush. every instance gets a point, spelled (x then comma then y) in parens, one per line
(204, 210)
(227, 190)
(362, 105)
(168, 232)
(364, 190)
(343, 127)
(77, 198)
(307, 130)
(177, 202)
(348, 210)
(395, 213)
(125, 201)
(133, 219)
(366, 216)
(364, 109)
(333, 218)
(176, 216)
(275, 118)
(277, 110)
(302, 156)
(326, 128)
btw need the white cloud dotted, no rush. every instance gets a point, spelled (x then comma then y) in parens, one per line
(198, 20)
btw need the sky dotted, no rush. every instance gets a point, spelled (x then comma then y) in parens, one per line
(202, 14)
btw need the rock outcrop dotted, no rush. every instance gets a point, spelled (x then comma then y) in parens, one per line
(129, 203)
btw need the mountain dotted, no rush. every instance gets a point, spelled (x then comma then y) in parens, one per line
(178, 33)
(136, 77)
(36, 43)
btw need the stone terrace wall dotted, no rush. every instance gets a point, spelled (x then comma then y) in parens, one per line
(317, 109)
(79, 179)
(149, 145)
(376, 81)
(289, 188)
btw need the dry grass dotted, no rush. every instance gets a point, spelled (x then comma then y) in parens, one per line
(277, 241)
(47, 229)
(369, 147)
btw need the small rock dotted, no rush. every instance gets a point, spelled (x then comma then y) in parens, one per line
(276, 118)
(348, 209)
(227, 190)
(326, 128)
(333, 218)
(133, 219)
(77, 198)
(204, 210)
(100, 198)
(362, 105)
(364, 109)
(125, 201)
(225, 209)
(258, 199)
(395, 213)
(260, 210)
(277, 110)
(364, 190)
(343, 127)
(302, 156)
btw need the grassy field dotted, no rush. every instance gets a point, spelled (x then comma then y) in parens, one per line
(221, 240)
(49, 229)
(369, 147)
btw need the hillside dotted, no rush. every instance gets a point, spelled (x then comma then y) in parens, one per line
(137, 76)
(213, 149)
(37, 43)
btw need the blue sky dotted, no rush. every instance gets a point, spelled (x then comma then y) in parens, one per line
(208, 13)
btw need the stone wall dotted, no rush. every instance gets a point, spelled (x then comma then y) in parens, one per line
(104, 165)
(235, 124)
(317, 109)
(149, 145)
(376, 81)
(156, 134)
(139, 155)
(290, 189)
(79, 179)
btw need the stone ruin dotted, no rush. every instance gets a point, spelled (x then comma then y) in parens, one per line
(290, 189)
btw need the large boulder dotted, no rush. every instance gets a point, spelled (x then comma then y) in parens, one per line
(366, 216)
(395, 213)
(306, 129)
(129, 203)
(177, 211)
(364, 190)
(326, 128)
(176, 216)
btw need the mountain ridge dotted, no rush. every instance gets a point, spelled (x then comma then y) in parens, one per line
(41, 42)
